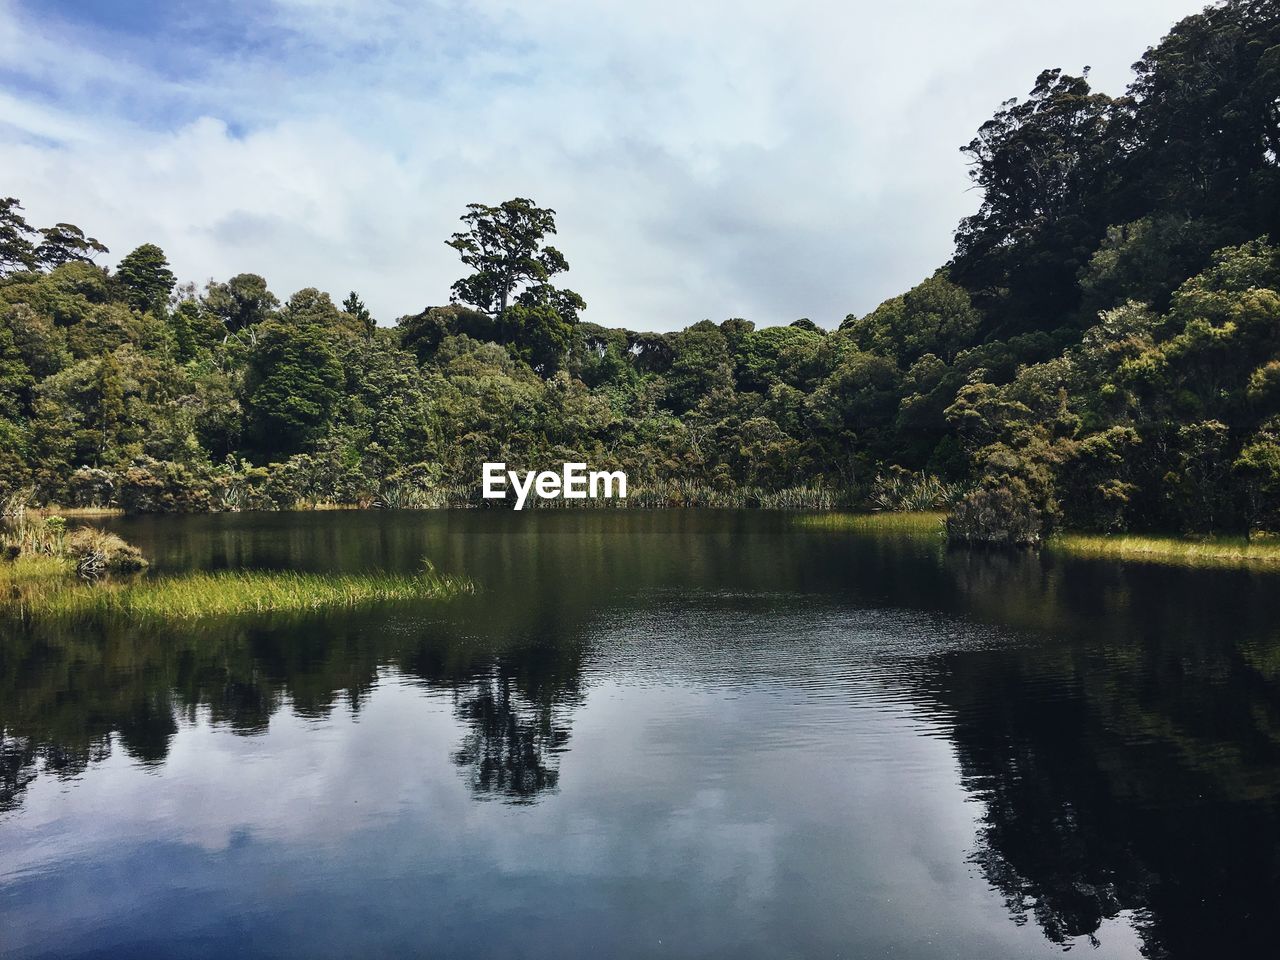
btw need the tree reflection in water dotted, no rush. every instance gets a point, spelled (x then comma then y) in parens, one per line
(511, 743)
(1127, 752)
(1119, 724)
(70, 693)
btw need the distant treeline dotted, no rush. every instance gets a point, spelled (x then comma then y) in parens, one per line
(1102, 351)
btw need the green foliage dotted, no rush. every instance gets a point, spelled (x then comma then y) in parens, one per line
(936, 317)
(1206, 117)
(146, 279)
(772, 355)
(354, 307)
(1150, 422)
(1000, 514)
(89, 551)
(16, 249)
(293, 379)
(195, 330)
(538, 333)
(1102, 353)
(241, 302)
(1258, 469)
(202, 596)
(1146, 260)
(504, 246)
(700, 366)
(66, 243)
(1040, 164)
(15, 376)
(901, 491)
(423, 333)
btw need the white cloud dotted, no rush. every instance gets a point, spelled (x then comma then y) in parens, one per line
(707, 160)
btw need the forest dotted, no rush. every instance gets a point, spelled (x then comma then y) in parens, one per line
(1101, 352)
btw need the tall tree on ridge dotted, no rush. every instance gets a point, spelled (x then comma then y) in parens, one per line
(147, 281)
(66, 243)
(16, 250)
(504, 246)
(354, 306)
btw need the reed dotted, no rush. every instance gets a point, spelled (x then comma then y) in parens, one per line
(46, 587)
(74, 512)
(1213, 551)
(901, 491)
(901, 523)
(94, 551)
(33, 570)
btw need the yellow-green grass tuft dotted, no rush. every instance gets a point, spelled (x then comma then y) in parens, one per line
(920, 524)
(29, 569)
(1214, 551)
(58, 594)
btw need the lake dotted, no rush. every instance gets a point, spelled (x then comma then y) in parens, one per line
(683, 734)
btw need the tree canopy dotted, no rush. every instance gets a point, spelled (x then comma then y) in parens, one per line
(1102, 351)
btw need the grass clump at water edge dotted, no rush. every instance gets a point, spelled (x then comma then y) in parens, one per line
(58, 593)
(93, 551)
(1213, 551)
(915, 524)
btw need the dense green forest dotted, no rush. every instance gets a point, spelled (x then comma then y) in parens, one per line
(1101, 352)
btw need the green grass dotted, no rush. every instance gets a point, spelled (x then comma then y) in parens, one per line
(1214, 551)
(922, 524)
(53, 591)
(33, 570)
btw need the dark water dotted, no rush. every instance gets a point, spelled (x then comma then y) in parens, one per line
(670, 734)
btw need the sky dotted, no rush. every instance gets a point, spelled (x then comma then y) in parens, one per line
(766, 160)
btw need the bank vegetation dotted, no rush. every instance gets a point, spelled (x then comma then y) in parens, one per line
(1101, 353)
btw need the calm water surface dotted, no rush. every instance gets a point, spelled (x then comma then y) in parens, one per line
(652, 734)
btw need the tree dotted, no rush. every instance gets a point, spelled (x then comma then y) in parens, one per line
(15, 375)
(66, 243)
(195, 330)
(41, 344)
(355, 307)
(16, 250)
(759, 355)
(1208, 118)
(109, 410)
(310, 306)
(292, 384)
(700, 365)
(1258, 467)
(1042, 165)
(146, 279)
(936, 316)
(539, 335)
(1037, 160)
(422, 333)
(504, 246)
(241, 302)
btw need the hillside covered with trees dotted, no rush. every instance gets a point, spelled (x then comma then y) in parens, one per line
(1102, 351)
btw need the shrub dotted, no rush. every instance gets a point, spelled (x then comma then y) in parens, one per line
(97, 551)
(162, 486)
(997, 515)
(902, 491)
(91, 487)
(14, 503)
(93, 550)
